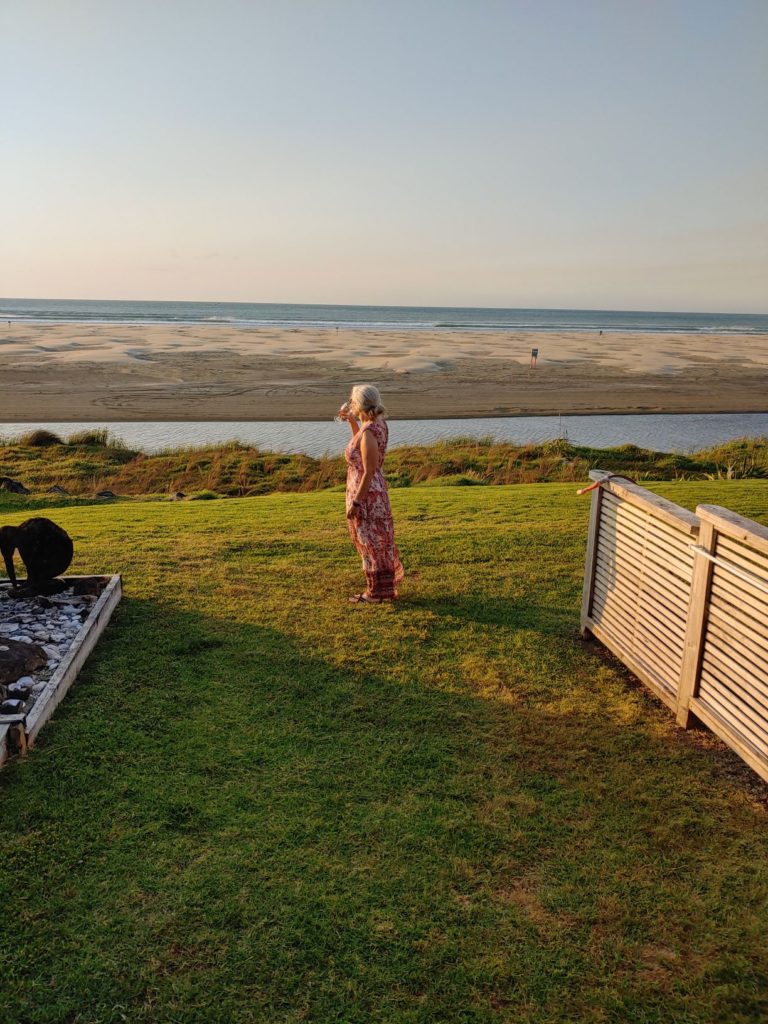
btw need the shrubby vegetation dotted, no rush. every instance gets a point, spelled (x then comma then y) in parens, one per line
(92, 460)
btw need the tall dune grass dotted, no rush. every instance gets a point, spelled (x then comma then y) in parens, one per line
(92, 460)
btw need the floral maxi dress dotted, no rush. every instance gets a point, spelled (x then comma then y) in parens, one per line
(371, 527)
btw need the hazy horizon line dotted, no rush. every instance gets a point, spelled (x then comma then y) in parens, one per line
(386, 305)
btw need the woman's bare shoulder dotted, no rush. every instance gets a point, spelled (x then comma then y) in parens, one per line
(369, 441)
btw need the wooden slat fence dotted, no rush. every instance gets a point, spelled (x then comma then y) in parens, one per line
(682, 600)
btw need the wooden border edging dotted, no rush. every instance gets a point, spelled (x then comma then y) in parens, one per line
(69, 668)
(62, 679)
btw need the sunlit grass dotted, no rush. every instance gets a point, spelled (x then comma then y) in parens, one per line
(261, 804)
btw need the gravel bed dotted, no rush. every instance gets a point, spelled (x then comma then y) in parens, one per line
(51, 623)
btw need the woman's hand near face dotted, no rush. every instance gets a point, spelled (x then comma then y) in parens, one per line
(345, 413)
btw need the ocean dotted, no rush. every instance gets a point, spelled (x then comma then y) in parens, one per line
(265, 314)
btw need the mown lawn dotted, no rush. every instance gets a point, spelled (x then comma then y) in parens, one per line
(261, 805)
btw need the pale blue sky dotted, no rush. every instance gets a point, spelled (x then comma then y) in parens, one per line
(584, 153)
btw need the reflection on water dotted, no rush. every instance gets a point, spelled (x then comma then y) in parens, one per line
(671, 432)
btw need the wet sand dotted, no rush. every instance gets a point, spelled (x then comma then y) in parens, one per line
(81, 372)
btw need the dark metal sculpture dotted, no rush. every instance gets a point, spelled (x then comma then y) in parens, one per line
(44, 548)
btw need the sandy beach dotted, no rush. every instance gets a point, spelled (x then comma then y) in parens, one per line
(78, 372)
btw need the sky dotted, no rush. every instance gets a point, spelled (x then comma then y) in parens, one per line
(522, 153)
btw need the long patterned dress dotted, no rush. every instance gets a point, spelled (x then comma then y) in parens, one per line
(371, 527)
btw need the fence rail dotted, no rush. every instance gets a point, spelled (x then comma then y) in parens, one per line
(682, 600)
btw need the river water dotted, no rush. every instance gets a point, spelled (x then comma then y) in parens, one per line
(672, 432)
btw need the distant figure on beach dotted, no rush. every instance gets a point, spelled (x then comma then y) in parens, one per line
(369, 514)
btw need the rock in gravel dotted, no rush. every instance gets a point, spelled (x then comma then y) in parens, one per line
(11, 707)
(18, 691)
(20, 659)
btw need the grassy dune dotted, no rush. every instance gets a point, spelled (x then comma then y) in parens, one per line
(90, 462)
(261, 805)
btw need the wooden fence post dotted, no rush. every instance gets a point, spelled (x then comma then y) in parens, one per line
(695, 624)
(591, 556)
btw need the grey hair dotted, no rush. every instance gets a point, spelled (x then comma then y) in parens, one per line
(367, 398)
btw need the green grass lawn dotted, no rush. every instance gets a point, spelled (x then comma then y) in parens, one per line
(260, 804)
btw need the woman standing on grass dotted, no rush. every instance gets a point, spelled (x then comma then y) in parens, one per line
(369, 515)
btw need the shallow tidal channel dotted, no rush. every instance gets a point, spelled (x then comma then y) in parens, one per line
(670, 432)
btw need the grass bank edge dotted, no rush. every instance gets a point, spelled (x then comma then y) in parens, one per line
(89, 462)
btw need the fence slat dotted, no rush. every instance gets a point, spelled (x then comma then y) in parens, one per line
(618, 539)
(640, 521)
(718, 662)
(641, 644)
(732, 621)
(719, 647)
(635, 609)
(700, 581)
(752, 602)
(643, 578)
(648, 598)
(678, 558)
(681, 599)
(750, 713)
(589, 567)
(616, 548)
(742, 556)
(713, 696)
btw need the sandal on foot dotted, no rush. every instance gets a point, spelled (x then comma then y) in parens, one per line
(364, 599)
